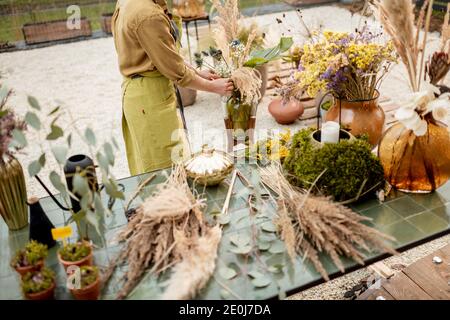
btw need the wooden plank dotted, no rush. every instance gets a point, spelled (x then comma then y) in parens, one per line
(373, 294)
(432, 278)
(401, 287)
(381, 269)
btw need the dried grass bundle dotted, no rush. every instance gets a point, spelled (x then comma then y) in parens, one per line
(248, 80)
(227, 18)
(196, 267)
(167, 228)
(445, 35)
(397, 18)
(309, 225)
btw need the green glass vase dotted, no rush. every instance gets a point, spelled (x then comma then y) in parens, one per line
(13, 194)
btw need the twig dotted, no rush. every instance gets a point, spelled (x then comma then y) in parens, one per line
(228, 289)
(226, 204)
(138, 190)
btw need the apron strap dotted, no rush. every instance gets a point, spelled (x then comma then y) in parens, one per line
(181, 106)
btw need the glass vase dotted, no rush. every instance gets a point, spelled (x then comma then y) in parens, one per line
(416, 164)
(240, 118)
(13, 194)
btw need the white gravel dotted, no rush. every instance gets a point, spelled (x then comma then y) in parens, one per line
(83, 77)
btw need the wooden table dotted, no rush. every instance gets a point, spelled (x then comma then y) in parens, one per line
(422, 280)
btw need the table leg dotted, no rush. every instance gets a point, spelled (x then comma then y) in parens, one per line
(188, 41)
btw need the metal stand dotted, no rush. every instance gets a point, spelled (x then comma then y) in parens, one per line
(187, 21)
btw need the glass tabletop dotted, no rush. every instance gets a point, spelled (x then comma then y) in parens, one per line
(411, 218)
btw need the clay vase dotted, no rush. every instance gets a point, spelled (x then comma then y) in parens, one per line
(359, 117)
(286, 113)
(91, 292)
(416, 164)
(43, 295)
(86, 261)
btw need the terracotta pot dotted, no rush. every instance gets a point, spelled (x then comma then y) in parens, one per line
(48, 294)
(359, 117)
(91, 292)
(416, 164)
(286, 113)
(86, 261)
(24, 270)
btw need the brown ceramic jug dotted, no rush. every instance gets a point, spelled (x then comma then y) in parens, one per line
(286, 113)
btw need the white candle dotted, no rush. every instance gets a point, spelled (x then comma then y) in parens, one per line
(330, 132)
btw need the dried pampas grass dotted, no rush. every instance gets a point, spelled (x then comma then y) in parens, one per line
(196, 267)
(309, 225)
(445, 36)
(248, 80)
(167, 229)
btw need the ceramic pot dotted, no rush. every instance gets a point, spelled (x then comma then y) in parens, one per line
(286, 113)
(416, 164)
(48, 294)
(91, 292)
(359, 117)
(13, 194)
(86, 261)
(24, 270)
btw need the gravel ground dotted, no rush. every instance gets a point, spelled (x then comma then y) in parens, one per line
(83, 78)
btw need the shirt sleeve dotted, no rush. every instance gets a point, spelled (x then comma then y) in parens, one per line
(154, 35)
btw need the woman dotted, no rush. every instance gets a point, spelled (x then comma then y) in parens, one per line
(146, 43)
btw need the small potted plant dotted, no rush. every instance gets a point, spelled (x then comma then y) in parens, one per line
(31, 258)
(89, 284)
(39, 285)
(75, 254)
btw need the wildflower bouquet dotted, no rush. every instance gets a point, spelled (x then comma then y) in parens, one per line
(349, 65)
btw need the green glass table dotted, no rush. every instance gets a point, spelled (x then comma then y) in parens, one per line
(411, 218)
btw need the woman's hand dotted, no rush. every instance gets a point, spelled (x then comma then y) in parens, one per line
(208, 74)
(222, 86)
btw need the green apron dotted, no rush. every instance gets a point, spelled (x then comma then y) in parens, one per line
(151, 126)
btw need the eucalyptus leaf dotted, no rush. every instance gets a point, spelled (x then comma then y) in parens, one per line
(263, 245)
(60, 153)
(277, 247)
(19, 138)
(34, 168)
(262, 281)
(245, 249)
(112, 189)
(3, 92)
(255, 274)
(92, 219)
(56, 132)
(32, 101)
(225, 294)
(240, 240)
(102, 162)
(277, 268)
(32, 119)
(227, 273)
(42, 160)
(109, 153)
(268, 226)
(55, 179)
(223, 219)
(90, 136)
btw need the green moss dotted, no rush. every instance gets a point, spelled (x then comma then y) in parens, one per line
(346, 167)
(37, 281)
(75, 251)
(30, 255)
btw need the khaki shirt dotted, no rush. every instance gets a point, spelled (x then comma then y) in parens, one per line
(144, 42)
